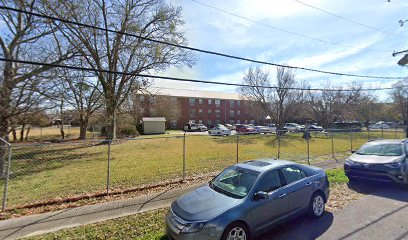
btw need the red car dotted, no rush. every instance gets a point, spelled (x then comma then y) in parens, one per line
(245, 129)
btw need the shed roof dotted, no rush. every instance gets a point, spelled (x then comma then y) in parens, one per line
(153, 119)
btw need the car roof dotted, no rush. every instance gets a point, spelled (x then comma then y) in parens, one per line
(385, 141)
(264, 164)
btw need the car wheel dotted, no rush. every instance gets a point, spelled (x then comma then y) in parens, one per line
(237, 231)
(316, 205)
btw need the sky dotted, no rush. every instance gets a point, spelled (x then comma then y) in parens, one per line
(360, 40)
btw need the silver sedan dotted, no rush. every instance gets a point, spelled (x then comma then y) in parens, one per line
(248, 199)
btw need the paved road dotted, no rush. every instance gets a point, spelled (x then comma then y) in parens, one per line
(381, 215)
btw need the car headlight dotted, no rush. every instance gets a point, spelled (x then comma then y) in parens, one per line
(393, 165)
(193, 227)
(349, 161)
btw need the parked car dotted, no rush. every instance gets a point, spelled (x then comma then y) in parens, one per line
(379, 126)
(294, 127)
(273, 127)
(314, 128)
(245, 129)
(230, 127)
(219, 130)
(381, 160)
(263, 129)
(248, 199)
(201, 127)
(191, 127)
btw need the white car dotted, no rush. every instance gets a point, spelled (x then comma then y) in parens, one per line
(273, 127)
(263, 129)
(379, 126)
(294, 127)
(219, 131)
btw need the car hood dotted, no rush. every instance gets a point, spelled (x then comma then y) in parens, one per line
(375, 159)
(202, 204)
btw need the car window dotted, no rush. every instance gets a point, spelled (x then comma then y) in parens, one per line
(381, 149)
(292, 174)
(269, 182)
(234, 181)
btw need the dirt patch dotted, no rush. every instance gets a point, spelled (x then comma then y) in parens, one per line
(341, 195)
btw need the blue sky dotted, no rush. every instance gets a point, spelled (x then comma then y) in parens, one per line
(370, 51)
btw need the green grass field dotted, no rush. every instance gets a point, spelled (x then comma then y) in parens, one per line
(45, 172)
(147, 225)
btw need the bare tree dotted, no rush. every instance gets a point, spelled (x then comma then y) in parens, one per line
(81, 91)
(399, 96)
(278, 100)
(28, 38)
(103, 50)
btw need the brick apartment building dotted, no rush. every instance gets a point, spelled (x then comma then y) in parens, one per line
(203, 107)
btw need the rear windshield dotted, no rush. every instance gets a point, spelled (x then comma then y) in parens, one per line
(381, 150)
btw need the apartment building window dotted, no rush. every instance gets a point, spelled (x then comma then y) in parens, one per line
(238, 112)
(200, 121)
(209, 122)
(238, 103)
(191, 101)
(217, 102)
(232, 113)
(191, 121)
(231, 122)
(152, 111)
(200, 111)
(200, 101)
(192, 113)
(142, 98)
(209, 101)
(232, 103)
(238, 121)
(209, 112)
(218, 121)
(217, 113)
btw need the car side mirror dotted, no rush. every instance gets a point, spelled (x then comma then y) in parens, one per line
(353, 151)
(261, 195)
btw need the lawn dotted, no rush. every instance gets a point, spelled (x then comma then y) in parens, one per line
(50, 171)
(147, 225)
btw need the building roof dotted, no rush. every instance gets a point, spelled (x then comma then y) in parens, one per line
(198, 94)
(153, 119)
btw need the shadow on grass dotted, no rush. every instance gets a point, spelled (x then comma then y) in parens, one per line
(36, 159)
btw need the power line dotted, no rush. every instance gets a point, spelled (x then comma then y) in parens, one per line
(196, 49)
(348, 20)
(287, 31)
(186, 79)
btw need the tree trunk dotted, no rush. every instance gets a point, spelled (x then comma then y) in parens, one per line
(111, 128)
(22, 132)
(14, 132)
(5, 99)
(27, 132)
(83, 125)
(62, 131)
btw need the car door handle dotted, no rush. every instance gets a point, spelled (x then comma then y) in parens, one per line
(309, 183)
(282, 195)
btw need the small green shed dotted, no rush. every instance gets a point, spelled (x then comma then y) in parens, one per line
(154, 125)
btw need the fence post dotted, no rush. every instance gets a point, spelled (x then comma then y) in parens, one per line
(3, 206)
(368, 133)
(109, 161)
(279, 136)
(41, 138)
(351, 139)
(332, 144)
(308, 146)
(184, 157)
(395, 132)
(237, 147)
(382, 132)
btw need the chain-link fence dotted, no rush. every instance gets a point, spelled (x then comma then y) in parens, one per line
(50, 172)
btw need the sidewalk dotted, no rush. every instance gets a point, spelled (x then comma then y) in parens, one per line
(53, 221)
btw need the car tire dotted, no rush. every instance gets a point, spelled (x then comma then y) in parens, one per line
(236, 230)
(316, 205)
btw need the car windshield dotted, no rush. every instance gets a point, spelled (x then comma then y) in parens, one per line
(222, 128)
(235, 182)
(381, 149)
